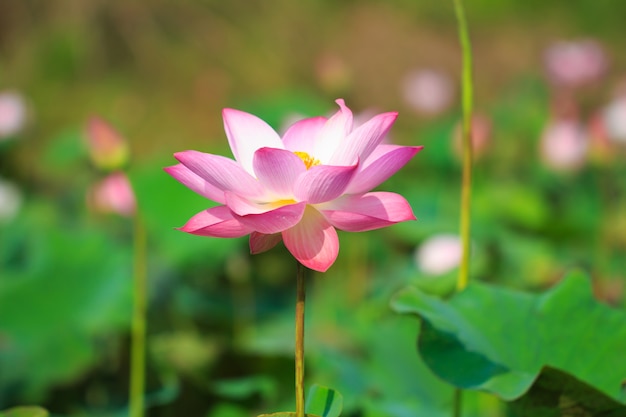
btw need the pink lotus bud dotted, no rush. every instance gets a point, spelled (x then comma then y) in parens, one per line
(113, 194)
(564, 145)
(573, 64)
(107, 149)
(12, 114)
(439, 254)
(428, 92)
(10, 201)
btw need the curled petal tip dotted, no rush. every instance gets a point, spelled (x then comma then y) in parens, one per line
(315, 266)
(185, 228)
(227, 111)
(179, 155)
(391, 114)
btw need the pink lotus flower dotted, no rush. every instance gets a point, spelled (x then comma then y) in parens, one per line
(300, 187)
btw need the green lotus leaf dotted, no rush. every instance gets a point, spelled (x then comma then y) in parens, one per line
(324, 401)
(510, 343)
(556, 393)
(59, 294)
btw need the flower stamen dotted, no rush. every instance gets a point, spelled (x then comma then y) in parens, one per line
(280, 203)
(308, 160)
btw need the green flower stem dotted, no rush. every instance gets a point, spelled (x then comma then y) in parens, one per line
(300, 298)
(466, 185)
(457, 402)
(138, 335)
(466, 182)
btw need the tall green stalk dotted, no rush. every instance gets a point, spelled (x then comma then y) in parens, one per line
(457, 402)
(466, 184)
(300, 299)
(138, 335)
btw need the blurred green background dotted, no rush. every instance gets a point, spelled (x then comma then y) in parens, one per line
(220, 321)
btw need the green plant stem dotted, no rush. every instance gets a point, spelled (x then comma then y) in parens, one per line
(138, 335)
(466, 184)
(458, 397)
(300, 298)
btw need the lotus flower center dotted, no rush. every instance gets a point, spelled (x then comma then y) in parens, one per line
(280, 203)
(308, 160)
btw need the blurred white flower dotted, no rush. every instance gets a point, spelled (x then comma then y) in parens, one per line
(439, 254)
(575, 63)
(12, 113)
(564, 144)
(113, 194)
(428, 91)
(10, 201)
(614, 117)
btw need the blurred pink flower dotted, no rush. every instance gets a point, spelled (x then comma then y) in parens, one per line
(564, 144)
(575, 63)
(300, 187)
(113, 194)
(12, 114)
(439, 254)
(108, 150)
(481, 135)
(428, 92)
